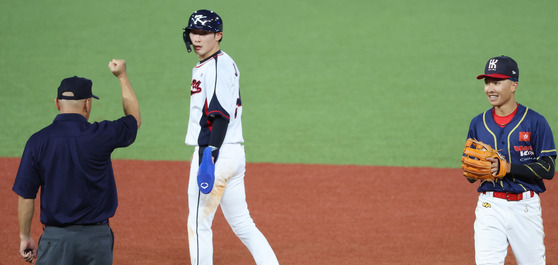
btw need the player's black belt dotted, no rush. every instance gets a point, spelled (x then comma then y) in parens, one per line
(510, 196)
(91, 224)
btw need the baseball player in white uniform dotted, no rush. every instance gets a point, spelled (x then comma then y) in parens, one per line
(215, 122)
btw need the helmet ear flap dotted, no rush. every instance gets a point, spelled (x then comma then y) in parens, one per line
(187, 41)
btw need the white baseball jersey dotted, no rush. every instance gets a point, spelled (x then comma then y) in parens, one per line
(215, 91)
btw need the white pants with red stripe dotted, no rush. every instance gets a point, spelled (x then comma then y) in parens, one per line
(229, 192)
(500, 222)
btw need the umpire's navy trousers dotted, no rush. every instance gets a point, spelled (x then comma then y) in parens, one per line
(76, 244)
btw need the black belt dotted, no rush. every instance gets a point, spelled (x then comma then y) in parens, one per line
(90, 224)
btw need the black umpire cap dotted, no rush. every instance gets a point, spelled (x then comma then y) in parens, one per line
(79, 86)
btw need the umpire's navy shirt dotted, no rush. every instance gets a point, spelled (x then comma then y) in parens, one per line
(70, 161)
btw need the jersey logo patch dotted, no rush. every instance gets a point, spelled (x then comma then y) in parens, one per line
(524, 151)
(486, 205)
(196, 87)
(524, 136)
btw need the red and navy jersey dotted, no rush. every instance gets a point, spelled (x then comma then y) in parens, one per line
(524, 140)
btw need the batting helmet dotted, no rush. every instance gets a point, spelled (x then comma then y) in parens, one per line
(205, 20)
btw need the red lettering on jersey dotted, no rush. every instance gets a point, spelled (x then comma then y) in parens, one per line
(196, 87)
(523, 148)
(524, 136)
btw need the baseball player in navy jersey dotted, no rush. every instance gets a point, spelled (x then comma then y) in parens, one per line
(509, 210)
(215, 122)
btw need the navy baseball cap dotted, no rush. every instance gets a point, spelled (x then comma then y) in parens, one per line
(79, 86)
(501, 67)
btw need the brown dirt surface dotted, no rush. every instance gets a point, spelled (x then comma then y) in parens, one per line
(310, 214)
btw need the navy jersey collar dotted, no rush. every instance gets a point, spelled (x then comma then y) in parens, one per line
(70, 117)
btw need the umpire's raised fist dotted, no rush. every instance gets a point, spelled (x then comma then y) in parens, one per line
(117, 67)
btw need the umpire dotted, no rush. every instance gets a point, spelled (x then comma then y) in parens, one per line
(70, 162)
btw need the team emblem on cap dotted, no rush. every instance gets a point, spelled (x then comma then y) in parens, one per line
(203, 19)
(199, 19)
(492, 65)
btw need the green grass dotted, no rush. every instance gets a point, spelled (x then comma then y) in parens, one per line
(327, 82)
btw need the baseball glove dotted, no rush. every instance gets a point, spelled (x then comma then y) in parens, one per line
(474, 163)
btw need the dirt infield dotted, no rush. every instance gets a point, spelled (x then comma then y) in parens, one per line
(311, 214)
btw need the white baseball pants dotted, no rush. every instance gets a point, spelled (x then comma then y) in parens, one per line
(500, 222)
(229, 192)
